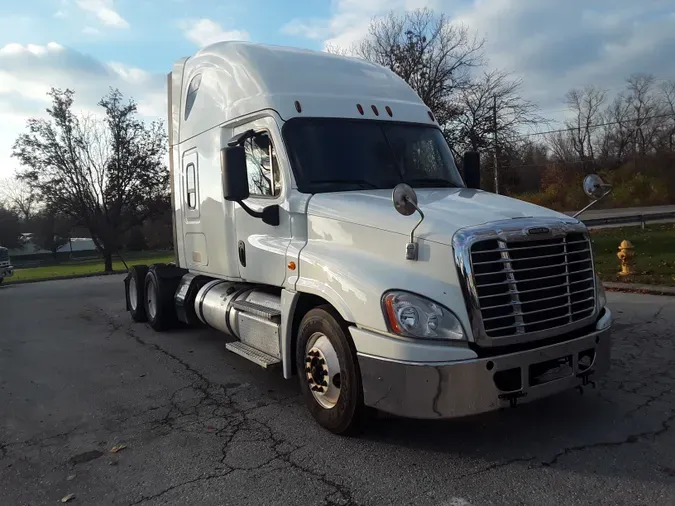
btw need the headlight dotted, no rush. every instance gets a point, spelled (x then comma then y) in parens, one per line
(602, 296)
(414, 316)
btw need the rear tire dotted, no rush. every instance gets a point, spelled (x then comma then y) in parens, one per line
(135, 293)
(330, 378)
(158, 299)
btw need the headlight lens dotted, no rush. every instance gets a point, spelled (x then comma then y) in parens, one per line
(602, 296)
(414, 316)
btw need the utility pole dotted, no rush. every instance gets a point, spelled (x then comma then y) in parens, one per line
(494, 129)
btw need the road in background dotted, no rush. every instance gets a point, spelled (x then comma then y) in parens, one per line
(626, 211)
(203, 426)
(605, 218)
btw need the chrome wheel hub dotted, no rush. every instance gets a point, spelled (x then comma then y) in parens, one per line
(152, 300)
(322, 370)
(133, 294)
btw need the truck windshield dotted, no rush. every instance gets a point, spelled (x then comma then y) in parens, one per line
(330, 155)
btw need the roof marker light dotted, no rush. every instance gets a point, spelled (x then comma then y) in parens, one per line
(431, 115)
(358, 106)
(388, 109)
(298, 107)
(377, 113)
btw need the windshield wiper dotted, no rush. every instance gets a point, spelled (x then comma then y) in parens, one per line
(362, 182)
(430, 182)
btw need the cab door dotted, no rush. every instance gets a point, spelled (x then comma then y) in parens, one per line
(261, 248)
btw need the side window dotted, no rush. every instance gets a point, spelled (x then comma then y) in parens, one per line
(263, 168)
(191, 186)
(192, 94)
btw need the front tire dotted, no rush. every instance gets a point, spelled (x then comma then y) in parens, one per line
(329, 374)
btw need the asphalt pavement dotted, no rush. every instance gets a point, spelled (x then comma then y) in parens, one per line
(201, 426)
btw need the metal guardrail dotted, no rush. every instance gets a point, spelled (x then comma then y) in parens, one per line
(640, 219)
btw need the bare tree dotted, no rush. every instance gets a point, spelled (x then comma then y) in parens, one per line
(668, 93)
(561, 146)
(338, 50)
(19, 197)
(586, 106)
(616, 132)
(100, 173)
(474, 127)
(645, 111)
(434, 56)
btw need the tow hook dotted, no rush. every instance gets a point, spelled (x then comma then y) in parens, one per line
(585, 381)
(512, 397)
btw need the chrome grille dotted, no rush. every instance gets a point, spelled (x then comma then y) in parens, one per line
(531, 286)
(4, 255)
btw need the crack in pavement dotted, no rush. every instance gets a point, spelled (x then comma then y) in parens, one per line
(27, 443)
(630, 439)
(179, 485)
(215, 402)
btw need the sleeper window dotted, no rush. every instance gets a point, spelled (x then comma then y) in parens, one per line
(192, 94)
(262, 166)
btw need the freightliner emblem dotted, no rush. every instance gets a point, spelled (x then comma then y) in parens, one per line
(538, 230)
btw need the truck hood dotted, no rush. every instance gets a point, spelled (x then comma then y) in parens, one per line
(445, 210)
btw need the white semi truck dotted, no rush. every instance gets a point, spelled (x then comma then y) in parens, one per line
(320, 221)
(6, 269)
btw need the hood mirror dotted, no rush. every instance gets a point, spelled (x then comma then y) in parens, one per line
(405, 202)
(596, 189)
(405, 199)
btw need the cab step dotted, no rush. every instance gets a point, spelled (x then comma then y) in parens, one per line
(256, 356)
(258, 310)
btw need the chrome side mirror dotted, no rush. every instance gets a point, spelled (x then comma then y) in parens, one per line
(405, 199)
(596, 189)
(405, 202)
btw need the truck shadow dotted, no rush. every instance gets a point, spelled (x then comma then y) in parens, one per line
(544, 433)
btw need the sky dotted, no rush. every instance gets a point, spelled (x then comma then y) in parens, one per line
(90, 45)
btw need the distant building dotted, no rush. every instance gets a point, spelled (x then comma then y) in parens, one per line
(30, 248)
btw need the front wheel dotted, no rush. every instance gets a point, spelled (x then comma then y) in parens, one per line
(329, 374)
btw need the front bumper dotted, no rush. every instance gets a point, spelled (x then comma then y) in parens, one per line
(6, 271)
(469, 387)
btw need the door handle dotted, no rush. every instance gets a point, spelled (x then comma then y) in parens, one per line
(242, 253)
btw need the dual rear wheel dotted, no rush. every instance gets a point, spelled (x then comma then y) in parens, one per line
(150, 296)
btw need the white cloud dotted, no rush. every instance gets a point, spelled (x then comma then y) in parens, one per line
(29, 71)
(312, 29)
(555, 46)
(552, 45)
(205, 31)
(90, 30)
(349, 21)
(105, 12)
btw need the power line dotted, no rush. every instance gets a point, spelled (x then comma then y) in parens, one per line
(608, 123)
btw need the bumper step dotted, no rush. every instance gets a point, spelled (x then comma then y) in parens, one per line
(256, 356)
(252, 308)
